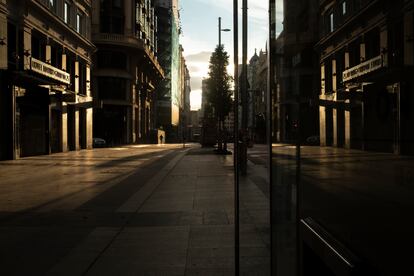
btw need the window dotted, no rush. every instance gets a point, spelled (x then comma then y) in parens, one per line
(112, 16)
(52, 5)
(112, 88)
(331, 22)
(344, 8)
(78, 23)
(112, 59)
(66, 13)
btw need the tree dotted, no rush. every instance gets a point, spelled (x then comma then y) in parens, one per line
(219, 90)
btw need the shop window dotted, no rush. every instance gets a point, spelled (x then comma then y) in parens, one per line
(328, 76)
(340, 67)
(38, 46)
(354, 54)
(56, 55)
(372, 44)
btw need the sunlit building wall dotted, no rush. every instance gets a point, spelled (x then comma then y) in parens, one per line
(169, 93)
(45, 77)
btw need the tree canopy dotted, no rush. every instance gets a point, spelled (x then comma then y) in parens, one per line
(219, 84)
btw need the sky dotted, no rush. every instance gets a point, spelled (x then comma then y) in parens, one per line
(199, 22)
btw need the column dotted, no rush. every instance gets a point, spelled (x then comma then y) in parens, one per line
(133, 116)
(335, 127)
(88, 81)
(347, 144)
(3, 36)
(77, 77)
(334, 84)
(384, 44)
(64, 127)
(346, 63)
(27, 47)
(128, 10)
(322, 125)
(322, 79)
(89, 128)
(48, 54)
(362, 52)
(76, 129)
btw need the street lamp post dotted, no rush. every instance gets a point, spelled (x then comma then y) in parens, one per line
(221, 30)
(219, 44)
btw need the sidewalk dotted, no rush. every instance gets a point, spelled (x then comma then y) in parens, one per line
(182, 224)
(131, 211)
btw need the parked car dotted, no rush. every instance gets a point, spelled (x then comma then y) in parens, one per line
(99, 143)
(312, 141)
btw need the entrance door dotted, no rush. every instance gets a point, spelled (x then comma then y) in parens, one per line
(33, 129)
(56, 134)
(71, 128)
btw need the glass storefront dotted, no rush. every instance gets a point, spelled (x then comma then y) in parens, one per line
(329, 192)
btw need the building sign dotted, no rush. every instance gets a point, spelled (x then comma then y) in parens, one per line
(48, 70)
(363, 68)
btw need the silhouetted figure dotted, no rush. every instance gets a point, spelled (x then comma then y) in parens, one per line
(161, 138)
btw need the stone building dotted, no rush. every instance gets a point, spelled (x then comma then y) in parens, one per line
(45, 64)
(126, 71)
(367, 75)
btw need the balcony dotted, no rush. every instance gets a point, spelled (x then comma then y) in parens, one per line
(127, 41)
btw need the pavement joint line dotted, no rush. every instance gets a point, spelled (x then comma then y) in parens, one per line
(137, 200)
(54, 202)
(156, 182)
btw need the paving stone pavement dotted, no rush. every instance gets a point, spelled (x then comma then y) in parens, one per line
(162, 212)
(184, 226)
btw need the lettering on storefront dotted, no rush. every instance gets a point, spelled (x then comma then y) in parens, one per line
(363, 68)
(49, 71)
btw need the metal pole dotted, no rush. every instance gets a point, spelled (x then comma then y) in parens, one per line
(244, 85)
(236, 135)
(219, 30)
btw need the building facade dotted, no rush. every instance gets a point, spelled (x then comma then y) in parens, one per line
(126, 70)
(366, 75)
(169, 53)
(45, 64)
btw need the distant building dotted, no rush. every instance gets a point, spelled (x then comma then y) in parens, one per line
(45, 65)
(366, 94)
(205, 106)
(195, 126)
(169, 54)
(259, 90)
(126, 72)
